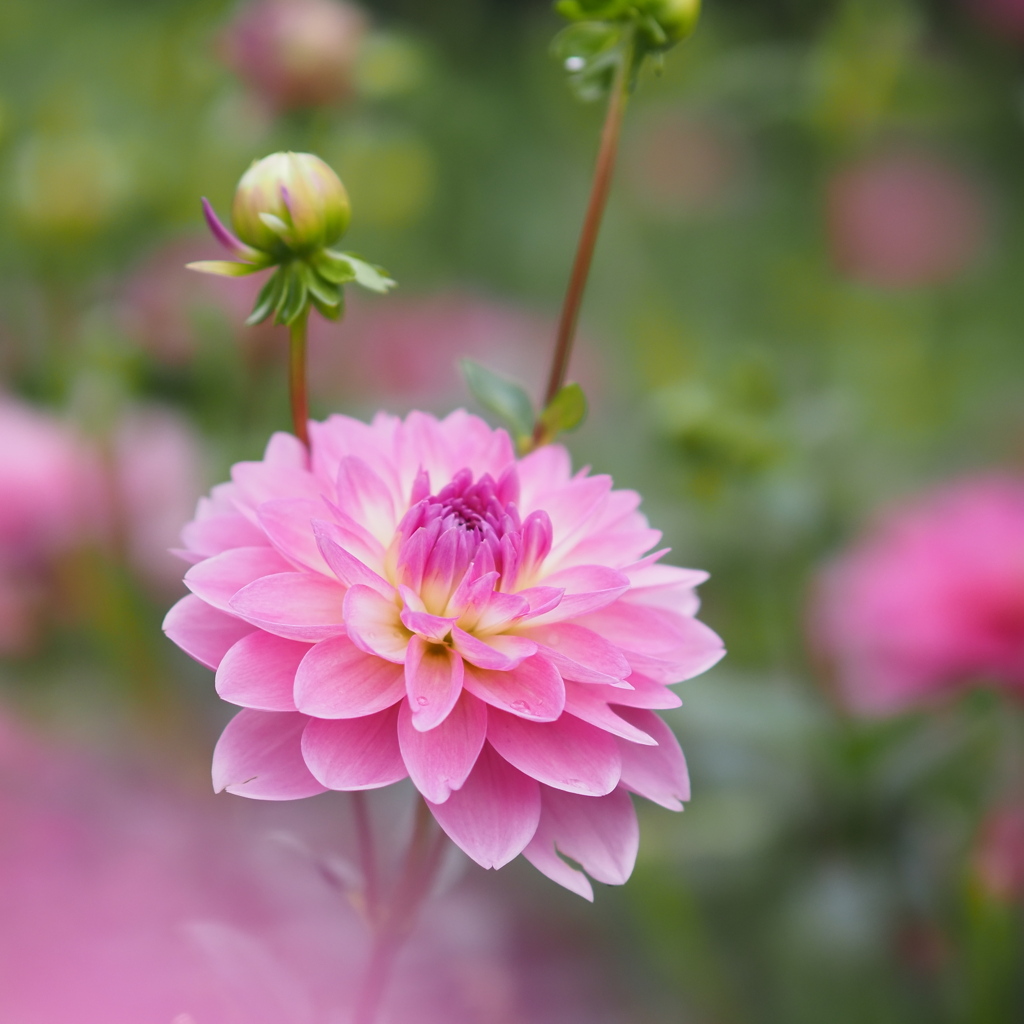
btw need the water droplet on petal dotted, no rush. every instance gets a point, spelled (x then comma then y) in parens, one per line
(422, 701)
(521, 705)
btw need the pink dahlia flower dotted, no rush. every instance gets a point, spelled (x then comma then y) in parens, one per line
(411, 600)
(931, 600)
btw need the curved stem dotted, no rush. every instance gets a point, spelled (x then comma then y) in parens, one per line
(603, 173)
(297, 387)
(395, 922)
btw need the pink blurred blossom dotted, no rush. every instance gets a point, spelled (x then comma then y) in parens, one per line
(904, 219)
(412, 600)
(1005, 18)
(931, 600)
(296, 53)
(999, 854)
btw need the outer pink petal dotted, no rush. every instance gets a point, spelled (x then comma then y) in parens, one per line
(533, 690)
(203, 632)
(568, 754)
(582, 701)
(216, 580)
(288, 524)
(440, 760)
(259, 672)
(349, 569)
(366, 497)
(587, 588)
(296, 605)
(495, 813)
(433, 680)
(599, 833)
(500, 653)
(658, 773)
(213, 534)
(645, 693)
(355, 753)
(258, 755)
(338, 680)
(374, 624)
(580, 653)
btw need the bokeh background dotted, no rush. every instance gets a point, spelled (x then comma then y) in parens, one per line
(807, 305)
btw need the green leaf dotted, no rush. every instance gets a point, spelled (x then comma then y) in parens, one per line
(224, 268)
(328, 293)
(500, 396)
(333, 267)
(268, 299)
(330, 312)
(293, 298)
(368, 275)
(566, 411)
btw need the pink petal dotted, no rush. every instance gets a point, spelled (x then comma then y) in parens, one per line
(587, 588)
(288, 524)
(658, 773)
(567, 754)
(338, 680)
(599, 833)
(259, 672)
(533, 690)
(213, 534)
(203, 632)
(645, 693)
(495, 813)
(431, 627)
(489, 610)
(364, 496)
(296, 605)
(582, 700)
(440, 760)
(501, 652)
(349, 569)
(355, 753)
(260, 481)
(433, 680)
(580, 653)
(258, 755)
(541, 599)
(374, 624)
(216, 580)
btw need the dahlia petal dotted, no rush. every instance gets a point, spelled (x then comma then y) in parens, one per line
(259, 482)
(365, 497)
(541, 472)
(491, 611)
(587, 588)
(355, 753)
(532, 690)
(296, 605)
(541, 599)
(258, 755)
(285, 451)
(348, 534)
(216, 580)
(349, 569)
(599, 833)
(211, 535)
(657, 773)
(432, 627)
(433, 681)
(259, 672)
(338, 680)
(374, 624)
(643, 693)
(567, 754)
(499, 653)
(440, 760)
(288, 524)
(203, 632)
(582, 701)
(495, 813)
(580, 653)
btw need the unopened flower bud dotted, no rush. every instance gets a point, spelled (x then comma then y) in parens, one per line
(290, 204)
(676, 18)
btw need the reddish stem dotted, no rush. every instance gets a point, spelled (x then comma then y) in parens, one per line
(603, 172)
(297, 386)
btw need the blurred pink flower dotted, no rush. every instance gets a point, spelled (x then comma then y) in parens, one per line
(157, 476)
(407, 349)
(412, 600)
(930, 601)
(162, 306)
(1005, 18)
(999, 854)
(904, 219)
(296, 53)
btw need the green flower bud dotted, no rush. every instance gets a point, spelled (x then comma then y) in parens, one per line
(290, 204)
(676, 18)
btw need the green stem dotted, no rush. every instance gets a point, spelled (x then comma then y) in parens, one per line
(297, 386)
(603, 173)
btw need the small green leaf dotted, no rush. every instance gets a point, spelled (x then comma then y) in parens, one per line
(330, 312)
(333, 267)
(224, 268)
(500, 396)
(566, 411)
(368, 275)
(328, 293)
(295, 299)
(268, 299)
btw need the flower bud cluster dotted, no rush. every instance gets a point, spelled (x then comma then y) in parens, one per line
(288, 210)
(660, 24)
